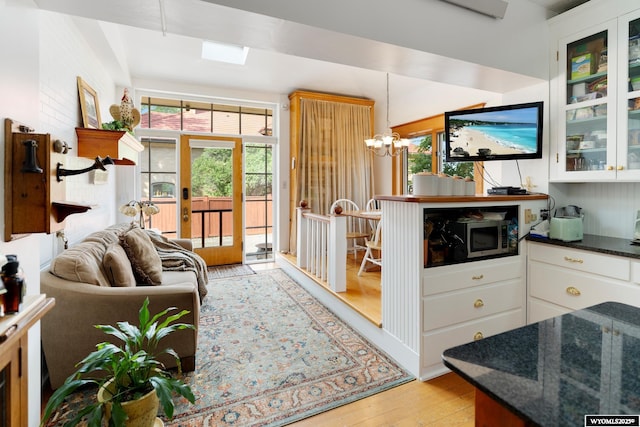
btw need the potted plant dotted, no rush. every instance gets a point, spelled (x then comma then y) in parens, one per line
(128, 372)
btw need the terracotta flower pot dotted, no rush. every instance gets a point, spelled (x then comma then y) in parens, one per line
(141, 412)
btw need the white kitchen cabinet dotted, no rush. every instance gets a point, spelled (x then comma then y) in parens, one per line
(483, 298)
(629, 97)
(562, 279)
(595, 121)
(430, 309)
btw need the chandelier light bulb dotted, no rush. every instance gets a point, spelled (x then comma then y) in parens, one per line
(389, 143)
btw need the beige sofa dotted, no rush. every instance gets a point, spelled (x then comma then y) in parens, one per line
(104, 279)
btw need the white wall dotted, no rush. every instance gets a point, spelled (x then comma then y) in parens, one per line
(42, 57)
(515, 174)
(20, 101)
(64, 55)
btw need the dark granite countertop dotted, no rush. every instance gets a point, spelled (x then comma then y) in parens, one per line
(603, 244)
(554, 372)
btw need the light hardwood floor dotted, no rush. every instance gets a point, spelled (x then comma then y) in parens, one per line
(444, 401)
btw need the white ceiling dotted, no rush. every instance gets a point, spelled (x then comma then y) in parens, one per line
(129, 39)
(558, 6)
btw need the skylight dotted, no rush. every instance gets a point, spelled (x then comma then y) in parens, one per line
(221, 52)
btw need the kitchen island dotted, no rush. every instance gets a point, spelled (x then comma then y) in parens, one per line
(557, 371)
(433, 300)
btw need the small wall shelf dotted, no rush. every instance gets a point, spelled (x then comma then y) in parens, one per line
(121, 146)
(61, 210)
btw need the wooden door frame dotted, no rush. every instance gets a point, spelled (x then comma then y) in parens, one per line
(213, 255)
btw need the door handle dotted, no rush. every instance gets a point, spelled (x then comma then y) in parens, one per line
(185, 214)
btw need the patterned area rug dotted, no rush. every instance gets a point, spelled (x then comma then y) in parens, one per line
(270, 354)
(222, 271)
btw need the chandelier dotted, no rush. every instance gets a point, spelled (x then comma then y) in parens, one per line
(388, 143)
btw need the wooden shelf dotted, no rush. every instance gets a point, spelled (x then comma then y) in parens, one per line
(121, 146)
(61, 210)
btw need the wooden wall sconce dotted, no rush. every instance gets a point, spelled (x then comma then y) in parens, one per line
(34, 199)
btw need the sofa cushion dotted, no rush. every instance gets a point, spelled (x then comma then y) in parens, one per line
(145, 261)
(178, 277)
(117, 266)
(81, 263)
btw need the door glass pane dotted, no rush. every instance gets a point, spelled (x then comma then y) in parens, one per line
(258, 202)
(586, 113)
(633, 155)
(211, 201)
(158, 183)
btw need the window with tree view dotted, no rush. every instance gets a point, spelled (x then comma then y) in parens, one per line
(420, 158)
(211, 169)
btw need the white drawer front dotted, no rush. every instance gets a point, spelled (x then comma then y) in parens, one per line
(462, 306)
(589, 262)
(435, 343)
(576, 290)
(475, 273)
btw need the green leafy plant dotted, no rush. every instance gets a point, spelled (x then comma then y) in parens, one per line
(116, 125)
(132, 369)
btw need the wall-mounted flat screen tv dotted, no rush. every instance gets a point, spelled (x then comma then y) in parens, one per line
(508, 132)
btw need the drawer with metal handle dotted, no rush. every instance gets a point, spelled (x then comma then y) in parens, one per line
(580, 260)
(470, 304)
(574, 289)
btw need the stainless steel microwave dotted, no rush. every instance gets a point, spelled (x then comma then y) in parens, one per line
(483, 237)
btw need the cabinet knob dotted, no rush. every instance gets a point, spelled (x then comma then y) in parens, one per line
(577, 260)
(573, 291)
(480, 277)
(478, 303)
(478, 336)
(609, 168)
(620, 167)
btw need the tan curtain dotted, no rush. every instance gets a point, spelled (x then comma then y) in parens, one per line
(333, 160)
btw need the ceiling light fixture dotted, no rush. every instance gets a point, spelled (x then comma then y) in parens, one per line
(222, 52)
(388, 143)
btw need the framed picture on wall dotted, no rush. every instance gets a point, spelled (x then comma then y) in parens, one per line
(89, 105)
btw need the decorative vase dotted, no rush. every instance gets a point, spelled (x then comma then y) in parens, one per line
(141, 412)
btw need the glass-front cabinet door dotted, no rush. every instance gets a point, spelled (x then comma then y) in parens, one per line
(587, 127)
(629, 97)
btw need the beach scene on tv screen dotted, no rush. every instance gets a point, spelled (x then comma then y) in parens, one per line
(494, 133)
